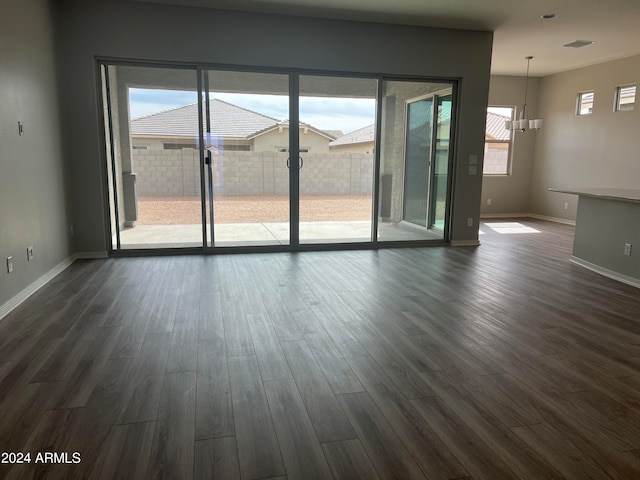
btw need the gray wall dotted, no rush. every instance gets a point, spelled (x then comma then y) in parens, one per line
(598, 150)
(512, 193)
(145, 31)
(33, 207)
(602, 229)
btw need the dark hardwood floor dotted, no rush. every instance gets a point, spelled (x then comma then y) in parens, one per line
(498, 362)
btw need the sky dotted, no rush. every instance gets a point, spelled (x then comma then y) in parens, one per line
(345, 114)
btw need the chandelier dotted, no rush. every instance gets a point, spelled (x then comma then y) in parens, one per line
(520, 122)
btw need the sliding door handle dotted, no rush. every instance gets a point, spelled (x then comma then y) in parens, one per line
(300, 162)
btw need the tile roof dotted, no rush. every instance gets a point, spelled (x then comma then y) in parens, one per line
(228, 121)
(495, 127)
(495, 130)
(334, 133)
(362, 135)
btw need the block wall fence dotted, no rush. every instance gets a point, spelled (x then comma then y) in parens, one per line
(176, 173)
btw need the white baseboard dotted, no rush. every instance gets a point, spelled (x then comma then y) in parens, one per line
(504, 215)
(465, 243)
(529, 215)
(90, 255)
(634, 282)
(17, 299)
(35, 286)
(552, 219)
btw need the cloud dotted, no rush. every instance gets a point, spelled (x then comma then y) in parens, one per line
(326, 113)
(276, 106)
(143, 101)
(330, 113)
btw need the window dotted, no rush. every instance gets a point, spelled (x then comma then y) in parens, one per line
(237, 148)
(497, 143)
(585, 103)
(625, 98)
(140, 147)
(285, 149)
(179, 146)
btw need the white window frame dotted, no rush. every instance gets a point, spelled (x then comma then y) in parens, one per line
(508, 142)
(619, 107)
(579, 103)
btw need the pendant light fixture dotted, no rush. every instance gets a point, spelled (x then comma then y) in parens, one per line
(520, 122)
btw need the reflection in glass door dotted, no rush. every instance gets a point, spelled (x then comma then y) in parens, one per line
(417, 160)
(246, 140)
(440, 154)
(336, 164)
(414, 160)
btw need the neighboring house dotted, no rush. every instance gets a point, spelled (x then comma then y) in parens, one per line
(358, 141)
(495, 129)
(497, 144)
(363, 139)
(232, 128)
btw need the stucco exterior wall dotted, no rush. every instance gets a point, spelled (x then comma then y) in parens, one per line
(353, 147)
(268, 142)
(273, 139)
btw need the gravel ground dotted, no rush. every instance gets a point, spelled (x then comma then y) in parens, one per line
(253, 209)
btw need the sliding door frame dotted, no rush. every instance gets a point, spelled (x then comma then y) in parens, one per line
(294, 175)
(434, 154)
(294, 156)
(434, 96)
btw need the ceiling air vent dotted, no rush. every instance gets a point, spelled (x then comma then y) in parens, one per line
(579, 43)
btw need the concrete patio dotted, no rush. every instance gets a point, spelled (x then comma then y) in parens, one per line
(272, 233)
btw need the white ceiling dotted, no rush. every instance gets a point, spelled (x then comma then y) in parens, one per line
(519, 31)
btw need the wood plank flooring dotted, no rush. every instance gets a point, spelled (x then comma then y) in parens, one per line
(499, 362)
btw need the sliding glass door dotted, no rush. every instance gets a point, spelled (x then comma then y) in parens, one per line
(336, 161)
(246, 141)
(222, 158)
(439, 176)
(151, 119)
(426, 160)
(417, 163)
(415, 160)
(189, 170)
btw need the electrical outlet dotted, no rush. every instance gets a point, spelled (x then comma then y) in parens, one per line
(9, 264)
(566, 205)
(29, 253)
(470, 222)
(627, 249)
(488, 201)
